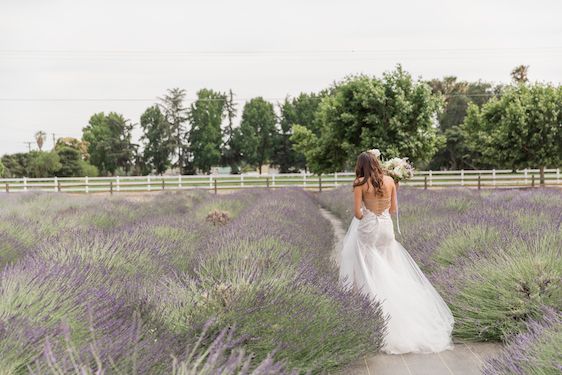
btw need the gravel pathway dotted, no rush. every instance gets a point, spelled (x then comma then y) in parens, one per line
(466, 358)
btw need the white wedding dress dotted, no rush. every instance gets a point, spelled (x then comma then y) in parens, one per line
(372, 260)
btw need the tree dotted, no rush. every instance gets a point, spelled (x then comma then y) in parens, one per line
(2, 169)
(77, 144)
(109, 142)
(175, 113)
(230, 150)
(519, 129)
(297, 111)
(40, 138)
(15, 165)
(457, 95)
(394, 114)
(520, 74)
(257, 129)
(43, 164)
(158, 141)
(205, 135)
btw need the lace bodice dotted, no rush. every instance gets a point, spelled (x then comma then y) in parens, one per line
(377, 205)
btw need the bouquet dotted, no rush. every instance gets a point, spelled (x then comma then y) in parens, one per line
(398, 168)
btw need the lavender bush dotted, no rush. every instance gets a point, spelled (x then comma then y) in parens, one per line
(537, 350)
(102, 285)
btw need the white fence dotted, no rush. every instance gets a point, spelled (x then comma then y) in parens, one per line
(426, 179)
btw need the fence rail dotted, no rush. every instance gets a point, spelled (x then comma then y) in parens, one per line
(494, 178)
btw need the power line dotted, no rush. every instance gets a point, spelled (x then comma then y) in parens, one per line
(275, 52)
(189, 100)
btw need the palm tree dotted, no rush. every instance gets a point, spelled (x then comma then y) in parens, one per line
(40, 138)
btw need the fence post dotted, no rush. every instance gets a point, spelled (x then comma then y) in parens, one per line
(163, 183)
(267, 182)
(148, 180)
(304, 180)
(494, 177)
(215, 182)
(462, 177)
(87, 184)
(241, 180)
(273, 180)
(336, 178)
(525, 171)
(211, 181)
(118, 184)
(7, 188)
(557, 175)
(179, 181)
(56, 184)
(430, 178)
(24, 184)
(479, 182)
(425, 182)
(533, 180)
(111, 187)
(320, 183)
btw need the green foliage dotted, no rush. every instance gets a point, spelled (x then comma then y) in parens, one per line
(15, 165)
(300, 110)
(157, 138)
(2, 169)
(455, 154)
(43, 164)
(395, 114)
(499, 294)
(257, 130)
(109, 142)
(466, 240)
(205, 136)
(520, 129)
(70, 160)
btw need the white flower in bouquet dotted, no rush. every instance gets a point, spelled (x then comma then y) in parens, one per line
(398, 168)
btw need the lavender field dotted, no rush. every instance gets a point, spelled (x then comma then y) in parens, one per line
(177, 283)
(496, 258)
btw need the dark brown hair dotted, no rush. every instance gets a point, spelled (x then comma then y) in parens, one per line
(368, 168)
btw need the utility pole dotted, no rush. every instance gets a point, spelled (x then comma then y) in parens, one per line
(28, 145)
(54, 140)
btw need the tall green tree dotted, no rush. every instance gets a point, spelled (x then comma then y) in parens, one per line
(175, 112)
(296, 111)
(230, 150)
(158, 140)
(40, 138)
(109, 142)
(257, 130)
(394, 114)
(2, 169)
(206, 115)
(520, 129)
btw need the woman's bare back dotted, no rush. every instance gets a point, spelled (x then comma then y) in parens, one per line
(377, 203)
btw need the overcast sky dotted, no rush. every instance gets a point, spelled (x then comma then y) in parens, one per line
(133, 50)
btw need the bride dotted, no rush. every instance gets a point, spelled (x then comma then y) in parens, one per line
(373, 261)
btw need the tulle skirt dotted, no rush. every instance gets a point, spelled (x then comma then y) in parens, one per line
(373, 261)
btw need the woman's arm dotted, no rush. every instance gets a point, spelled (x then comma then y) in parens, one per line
(393, 199)
(357, 198)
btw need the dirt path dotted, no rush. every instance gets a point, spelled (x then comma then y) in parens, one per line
(466, 358)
